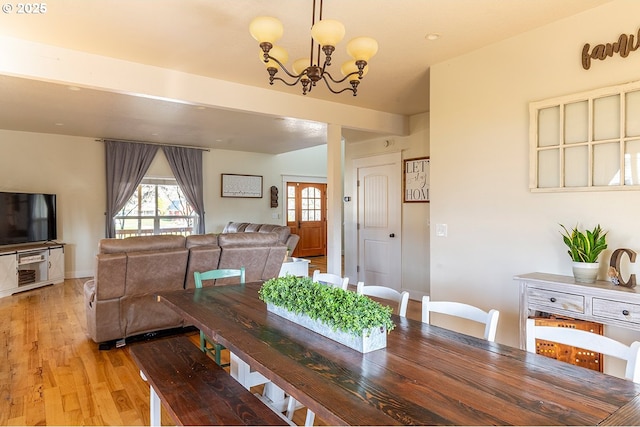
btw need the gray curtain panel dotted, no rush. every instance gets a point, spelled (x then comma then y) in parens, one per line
(126, 165)
(186, 165)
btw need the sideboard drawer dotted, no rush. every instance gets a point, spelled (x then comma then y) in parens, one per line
(618, 310)
(556, 300)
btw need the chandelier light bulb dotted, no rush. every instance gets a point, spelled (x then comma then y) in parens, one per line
(307, 72)
(276, 52)
(299, 65)
(328, 32)
(351, 67)
(266, 29)
(362, 48)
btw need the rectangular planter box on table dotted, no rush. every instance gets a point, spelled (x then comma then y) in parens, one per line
(376, 339)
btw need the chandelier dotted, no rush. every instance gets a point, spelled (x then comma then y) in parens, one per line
(325, 35)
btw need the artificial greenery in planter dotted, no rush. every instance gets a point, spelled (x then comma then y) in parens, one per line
(328, 307)
(584, 249)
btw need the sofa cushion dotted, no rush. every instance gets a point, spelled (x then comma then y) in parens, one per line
(111, 277)
(201, 258)
(155, 271)
(264, 260)
(202, 240)
(282, 231)
(235, 227)
(248, 239)
(141, 243)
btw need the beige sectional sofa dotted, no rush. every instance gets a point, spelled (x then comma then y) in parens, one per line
(283, 232)
(120, 301)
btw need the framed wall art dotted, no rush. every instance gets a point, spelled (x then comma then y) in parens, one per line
(416, 180)
(248, 186)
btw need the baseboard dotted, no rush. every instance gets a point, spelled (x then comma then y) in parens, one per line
(78, 274)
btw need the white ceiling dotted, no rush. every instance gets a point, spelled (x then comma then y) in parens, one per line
(210, 38)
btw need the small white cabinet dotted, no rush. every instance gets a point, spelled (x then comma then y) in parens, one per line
(27, 267)
(601, 302)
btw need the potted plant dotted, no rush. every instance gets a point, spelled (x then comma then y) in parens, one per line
(344, 316)
(584, 249)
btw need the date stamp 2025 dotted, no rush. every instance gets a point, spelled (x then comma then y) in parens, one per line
(24, 8)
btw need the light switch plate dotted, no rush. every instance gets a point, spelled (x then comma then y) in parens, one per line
(441, 230)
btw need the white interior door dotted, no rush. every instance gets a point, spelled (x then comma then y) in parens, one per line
(379, 221)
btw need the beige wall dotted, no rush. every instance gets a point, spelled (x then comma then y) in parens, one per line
(415, 216)
(479, 172)
(73, 168)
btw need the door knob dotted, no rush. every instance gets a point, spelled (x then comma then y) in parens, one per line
(392, 235)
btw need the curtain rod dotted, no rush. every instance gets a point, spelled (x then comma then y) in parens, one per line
(152, 143)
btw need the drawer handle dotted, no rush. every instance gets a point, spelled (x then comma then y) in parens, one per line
(625, 312)
(552, 299)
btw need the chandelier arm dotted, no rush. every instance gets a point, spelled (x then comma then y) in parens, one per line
(283, 68)
(352, 89)
(355, 73)
(312, 73)
(285, 82)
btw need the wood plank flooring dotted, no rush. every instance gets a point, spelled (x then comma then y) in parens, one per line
(51, 373)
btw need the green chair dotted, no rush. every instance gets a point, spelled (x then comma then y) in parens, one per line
(207, 345)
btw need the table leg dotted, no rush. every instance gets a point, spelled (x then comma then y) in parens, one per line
(242, 372)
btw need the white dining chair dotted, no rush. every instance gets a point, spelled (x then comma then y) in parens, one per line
(384, 292)
(465, 311)
(330, 279)
(588, 341)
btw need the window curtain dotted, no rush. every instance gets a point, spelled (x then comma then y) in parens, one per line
(126, 165)
(186, 165)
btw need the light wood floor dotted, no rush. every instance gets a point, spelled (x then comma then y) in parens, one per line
(51, 373)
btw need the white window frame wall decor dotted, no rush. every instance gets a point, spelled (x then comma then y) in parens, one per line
(589, 141)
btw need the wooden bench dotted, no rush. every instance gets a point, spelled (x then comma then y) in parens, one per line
(194, 389)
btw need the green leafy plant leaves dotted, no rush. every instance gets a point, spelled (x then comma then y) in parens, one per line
(584, 246)
(340, 309)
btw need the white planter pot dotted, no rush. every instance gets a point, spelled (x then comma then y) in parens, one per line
(585, 272)
(374, 339)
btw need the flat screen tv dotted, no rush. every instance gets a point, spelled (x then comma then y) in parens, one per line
(27, 218)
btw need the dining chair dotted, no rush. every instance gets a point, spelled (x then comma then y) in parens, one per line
(588, 341)
(465, 311)
(330, 279)
(207, 345)
(384, 292)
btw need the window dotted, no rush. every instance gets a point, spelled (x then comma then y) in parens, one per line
(291, 203)
(310, 208)
(586, 141)
(158, 206)
(311, 204)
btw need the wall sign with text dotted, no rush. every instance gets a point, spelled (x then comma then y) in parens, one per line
(416, 180)
(623, 46)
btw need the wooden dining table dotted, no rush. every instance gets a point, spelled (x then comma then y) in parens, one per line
(426, 375)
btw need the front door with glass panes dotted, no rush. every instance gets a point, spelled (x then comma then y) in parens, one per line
(307, 217)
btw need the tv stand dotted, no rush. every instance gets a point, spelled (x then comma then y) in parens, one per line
(30, 266)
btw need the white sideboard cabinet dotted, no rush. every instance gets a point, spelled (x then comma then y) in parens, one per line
(27, 267)
(601, 302)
